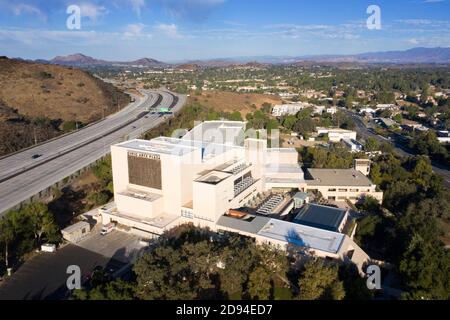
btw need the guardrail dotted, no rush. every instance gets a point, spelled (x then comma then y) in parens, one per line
(62, 153)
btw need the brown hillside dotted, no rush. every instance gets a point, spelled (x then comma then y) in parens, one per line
(39, 102)
(55, 92)
(231, 101)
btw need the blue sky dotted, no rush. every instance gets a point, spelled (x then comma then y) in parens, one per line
(174, 30)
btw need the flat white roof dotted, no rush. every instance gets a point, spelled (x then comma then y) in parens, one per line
(157, 146)
(220, 131)
(303, 236)
(75, 227)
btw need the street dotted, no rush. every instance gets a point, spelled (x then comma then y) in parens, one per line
(75, 151)
(365, 133)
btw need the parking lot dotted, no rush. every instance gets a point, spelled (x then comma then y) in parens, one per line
(44, 276)
(118, 245)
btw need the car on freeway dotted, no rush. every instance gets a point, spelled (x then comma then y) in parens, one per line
(36, 156)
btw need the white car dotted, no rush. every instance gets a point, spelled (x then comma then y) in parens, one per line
(107, 229)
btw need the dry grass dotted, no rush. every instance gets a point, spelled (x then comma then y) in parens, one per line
(55, 92)
(231, 101)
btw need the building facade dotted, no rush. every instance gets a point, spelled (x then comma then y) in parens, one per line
(203, 180)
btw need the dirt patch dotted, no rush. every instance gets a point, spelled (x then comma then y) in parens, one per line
(232, 101)
(56, 92)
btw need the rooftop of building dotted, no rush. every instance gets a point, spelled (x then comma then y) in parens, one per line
(293, 233)
(334, 130)
(322, 217)
(178, 147)
(213, 177)
(284, 168)
(75, 227)
(158, 146)
(220, 131)
(352, 142)
(303, 236)
(337, 177)
(160, 221)
(301, 196)
(283, 150)
(139, 194)
(250, 223)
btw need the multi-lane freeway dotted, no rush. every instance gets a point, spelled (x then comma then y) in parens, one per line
(28, 172)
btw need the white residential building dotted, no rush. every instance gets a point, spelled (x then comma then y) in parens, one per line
(331, 110)
(288, 109)
(388, 106)
(337, 134)
(353, 145)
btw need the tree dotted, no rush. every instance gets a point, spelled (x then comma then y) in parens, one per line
(372, 144)
(114, 290)
(289, 122)
(99, 198)
(259, 284)
(304, 126)
(319, 281)
(370, 205)
(163, 274)
(235, 116)
(42, 221)
(266, 107)
(6, 236)
(425, 269)
(238, 259)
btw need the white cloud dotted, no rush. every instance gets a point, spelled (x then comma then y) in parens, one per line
(92, 11)
(433, 1)
(134, 29)
(196, 10)
(169, 30)
(19, 9)
(137, 6)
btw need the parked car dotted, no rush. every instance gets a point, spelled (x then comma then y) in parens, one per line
(48, 247)
(107, 229)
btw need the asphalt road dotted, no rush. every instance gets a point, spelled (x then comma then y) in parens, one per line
(365, 133)
(22, 177)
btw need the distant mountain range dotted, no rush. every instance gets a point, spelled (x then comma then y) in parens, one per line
(411, 56)
(79, 59)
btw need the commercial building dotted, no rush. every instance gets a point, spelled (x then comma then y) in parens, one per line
(341, 184)
(208, 176)
(353, 145)
(76, 232)
(288, 109)
(322, 217)
(337, 134)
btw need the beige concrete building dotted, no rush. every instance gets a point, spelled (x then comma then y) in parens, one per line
(337, 134)
(76, 232)
(341, 185)
(213, 170)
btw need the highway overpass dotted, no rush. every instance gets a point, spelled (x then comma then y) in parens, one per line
(28, 172)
